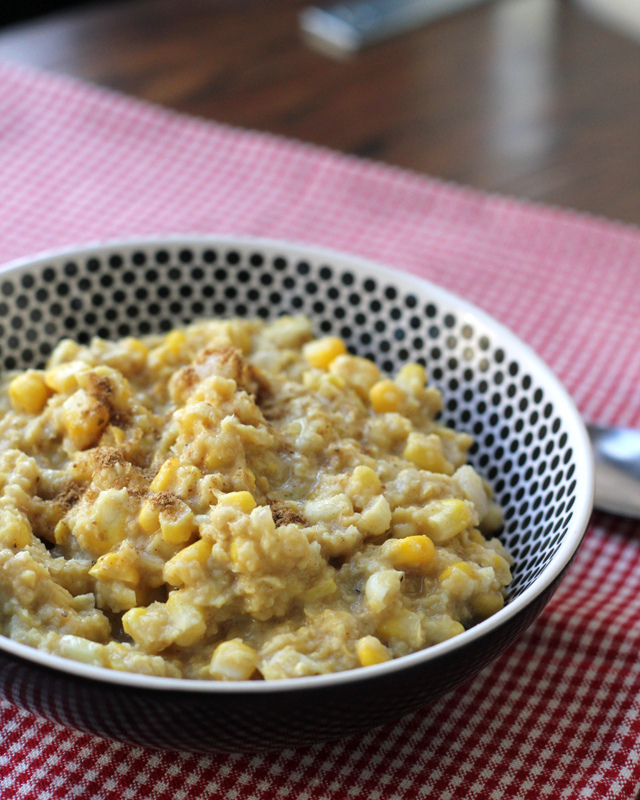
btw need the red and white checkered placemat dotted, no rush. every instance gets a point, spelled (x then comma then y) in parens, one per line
(558, 716)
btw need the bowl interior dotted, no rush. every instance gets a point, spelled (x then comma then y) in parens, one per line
(523, 443)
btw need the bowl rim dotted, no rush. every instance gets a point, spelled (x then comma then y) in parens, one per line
(402, 279)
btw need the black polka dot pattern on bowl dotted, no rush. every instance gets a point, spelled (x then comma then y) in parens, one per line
(521, 445)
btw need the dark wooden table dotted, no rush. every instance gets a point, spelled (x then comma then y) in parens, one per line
(531, 98)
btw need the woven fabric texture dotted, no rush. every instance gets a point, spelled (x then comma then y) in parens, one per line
(558, 715)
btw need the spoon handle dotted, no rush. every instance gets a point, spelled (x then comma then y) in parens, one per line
(617, 458)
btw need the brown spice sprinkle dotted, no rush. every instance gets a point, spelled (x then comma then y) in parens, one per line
(101, 388)
(186, 379)
(229, 363)
(284, 514)
(69, 496)
(107, 457)
(163, 499)
(125, 473)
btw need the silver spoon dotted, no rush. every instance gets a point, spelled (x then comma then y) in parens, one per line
(617, 458)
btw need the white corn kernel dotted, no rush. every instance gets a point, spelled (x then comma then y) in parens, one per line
(375, 518)
(472, 488)
(382, 588)
(188, 620)
(446, 519)
(358, 373)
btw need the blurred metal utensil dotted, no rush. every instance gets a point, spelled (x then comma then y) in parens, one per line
(617, 458)
(347, 27)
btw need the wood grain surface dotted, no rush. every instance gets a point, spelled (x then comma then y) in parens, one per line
(531, 98)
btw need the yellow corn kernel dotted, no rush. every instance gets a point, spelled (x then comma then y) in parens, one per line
(64, 352)
(29, 392)
(445, 519)
(233, 661)
(359, 373)
(159, 625)
(176, 477)
(149, 517)
(174, 341)
(371, 651)
(63, 378)
(243, 501)
(462, 566)
(426, 451)
(85, 419)
(119, 565)
(187, 563)
(150, 627)
(320, 590)
(166, 476)
(363, 486)
(438, 630)
(321, 352)
(217, 458)
(235, 551)
(137, 348)
(132, 619)
(198, 551)
(170, 351)
(414, 376)
(413, 553)
(486, 605)
(404, 625)
(177, 523)
(386, 396)
(61, 532)
(14, 530)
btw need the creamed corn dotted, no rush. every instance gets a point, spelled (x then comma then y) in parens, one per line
(237, 500)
